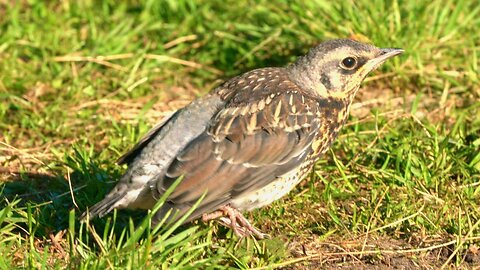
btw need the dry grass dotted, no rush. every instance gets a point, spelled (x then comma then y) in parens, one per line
(399, 189)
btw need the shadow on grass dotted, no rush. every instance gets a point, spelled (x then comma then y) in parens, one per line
(51, 199)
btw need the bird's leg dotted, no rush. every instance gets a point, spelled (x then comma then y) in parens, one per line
(212, 216)
(249, 227)
(231, 221)
(232, 218)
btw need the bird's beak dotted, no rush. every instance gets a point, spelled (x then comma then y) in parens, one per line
(388, 53)
(383, 55)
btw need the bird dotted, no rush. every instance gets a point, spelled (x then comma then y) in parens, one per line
(248, 142)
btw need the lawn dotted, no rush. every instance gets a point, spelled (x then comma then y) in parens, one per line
(82, 81)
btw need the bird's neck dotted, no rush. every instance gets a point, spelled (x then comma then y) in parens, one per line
(303, 75)
(334, 113)
(335, 110)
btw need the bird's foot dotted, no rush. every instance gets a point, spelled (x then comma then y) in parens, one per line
(232, 218)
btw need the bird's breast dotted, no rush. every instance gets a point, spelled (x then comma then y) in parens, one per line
(271, 192)
(332, 118)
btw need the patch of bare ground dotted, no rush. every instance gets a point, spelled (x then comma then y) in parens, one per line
(381, 253)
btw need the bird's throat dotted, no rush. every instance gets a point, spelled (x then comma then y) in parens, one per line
(334, 113)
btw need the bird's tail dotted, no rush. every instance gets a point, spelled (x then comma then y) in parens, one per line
(104, 206)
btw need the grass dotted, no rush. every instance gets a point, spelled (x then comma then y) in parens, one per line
(81, 82)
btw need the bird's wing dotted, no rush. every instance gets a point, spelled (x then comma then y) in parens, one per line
(128, 157)
(150, 158)
(246, 146)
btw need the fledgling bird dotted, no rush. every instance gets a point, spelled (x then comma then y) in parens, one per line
(249, 141)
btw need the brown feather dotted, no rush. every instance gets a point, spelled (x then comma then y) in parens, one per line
(237, 154)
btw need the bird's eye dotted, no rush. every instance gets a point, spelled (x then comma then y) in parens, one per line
(348, 63)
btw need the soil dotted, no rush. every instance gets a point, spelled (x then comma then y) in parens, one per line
(382, 253)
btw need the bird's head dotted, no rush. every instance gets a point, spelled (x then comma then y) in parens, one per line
(336, 68)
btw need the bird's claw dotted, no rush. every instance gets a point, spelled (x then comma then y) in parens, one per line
(234, 219)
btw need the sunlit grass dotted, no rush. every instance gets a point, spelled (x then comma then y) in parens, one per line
(81, 82)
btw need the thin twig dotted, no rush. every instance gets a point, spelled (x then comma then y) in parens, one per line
(179, 40)
(101, 60)
(70, 187)
(23, 152)
(166, 58)
(137, 83)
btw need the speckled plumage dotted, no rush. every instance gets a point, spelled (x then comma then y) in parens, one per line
(251, 140)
